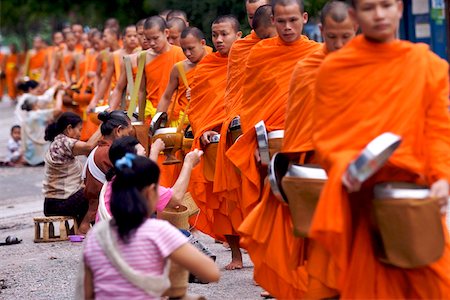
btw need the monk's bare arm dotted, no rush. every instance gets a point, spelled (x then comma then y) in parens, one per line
(103, 86)
(164, 102)
(116, 96)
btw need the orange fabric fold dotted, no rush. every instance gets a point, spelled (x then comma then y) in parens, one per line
(279, 246)
(388, 97)
(36, 64)
(206, 112)
(11, 72)
(265, 91)
(180, 100)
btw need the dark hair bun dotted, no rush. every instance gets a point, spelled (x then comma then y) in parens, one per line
(104, 116)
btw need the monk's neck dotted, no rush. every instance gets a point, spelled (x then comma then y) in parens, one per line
(115, 47)
(383, 41)
(165, 49)
(129, 50)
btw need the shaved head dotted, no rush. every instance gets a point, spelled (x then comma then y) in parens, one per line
(228, 19)
(287, 3)
(251, 6)
(112, 23)
(176, 22)
(164, 13)
(194, 31)
(176, 13)
(140, 23)
(155, 21)
(262, 22)
(336, 10)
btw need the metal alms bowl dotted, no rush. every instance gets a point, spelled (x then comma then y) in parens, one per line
(400, 190)
(263, 142)
(158, 121)
(278, 167)
(373, 157)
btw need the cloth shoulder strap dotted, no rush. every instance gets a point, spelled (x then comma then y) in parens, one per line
(93, 169)
(27, 63)
(117, 65)
(102, 211)
(182, 72)
(134, 94)
(128, 69)
(153, 285)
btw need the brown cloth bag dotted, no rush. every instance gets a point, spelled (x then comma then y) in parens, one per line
(302, 195)
(411, 231)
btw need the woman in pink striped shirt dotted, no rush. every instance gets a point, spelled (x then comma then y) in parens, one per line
(127, 257)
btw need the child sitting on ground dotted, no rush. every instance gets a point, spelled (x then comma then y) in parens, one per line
(15, 154)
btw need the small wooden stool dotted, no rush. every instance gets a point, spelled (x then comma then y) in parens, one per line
(48, 232)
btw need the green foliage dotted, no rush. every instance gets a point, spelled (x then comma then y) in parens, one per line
(25, 18)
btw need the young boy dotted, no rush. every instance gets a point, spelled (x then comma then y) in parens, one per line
(14, 149)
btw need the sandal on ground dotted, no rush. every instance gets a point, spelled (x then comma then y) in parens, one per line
(11, 240)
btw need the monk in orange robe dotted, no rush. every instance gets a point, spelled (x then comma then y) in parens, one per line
(122, 83)
(278, 252)
(265, 91)
(102, 55)
(367, 89)
(226, 178)
(159, 63)
(63, 68)
(2, 74)
(206, 114)
(34, 60)
(58, 45)
(107, 62)
(176, 27)
(77, 30)
(193, 44)
(12, 65)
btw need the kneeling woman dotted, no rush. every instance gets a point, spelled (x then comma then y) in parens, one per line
(127, 257)
(63, 187)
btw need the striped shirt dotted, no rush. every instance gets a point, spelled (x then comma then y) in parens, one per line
(146, 252)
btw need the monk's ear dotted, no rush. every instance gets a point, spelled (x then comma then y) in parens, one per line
(400, 8)
(166, 32)
(239, 34)
(321, 28)
(203, 42)
(305, 17)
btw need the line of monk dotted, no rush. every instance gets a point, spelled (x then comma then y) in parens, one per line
(320, 103)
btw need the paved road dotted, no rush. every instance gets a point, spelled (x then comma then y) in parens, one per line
(48, 271)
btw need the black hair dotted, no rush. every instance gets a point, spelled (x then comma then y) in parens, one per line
(300, 3)
(262, 17)
(155, 21)
(112, 120)
(194, 31)
(176, 13)
(228, 19)
(27, 104)
(15, 127)
(337, 10)
(124, 33)
(27, 85)
(118, 149)
(128, 207)
(58, 127)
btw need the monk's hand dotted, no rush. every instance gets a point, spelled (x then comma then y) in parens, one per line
(92, 105)
(188, 94)
(206, 137)
(257, 155)
(440, 190)
(350, 183)
(193, 157)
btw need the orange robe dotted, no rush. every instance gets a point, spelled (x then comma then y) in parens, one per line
(268, 228)
(180, 100)
(64, 62)
(36, 64)
(367, 89)
(265, 91)
(227, 181)
(206, 112)
(157, 74)
(11, 72)
(2, 80)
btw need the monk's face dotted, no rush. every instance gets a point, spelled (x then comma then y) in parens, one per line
(109, 38)
(289, 22)
(335, 34)
(193, 48)
(58, 39)
(223, 36)
(38, 43)
(98, 43)
(378, 19)
(174, 36)
(85, 41)
(156, 38)
(71, 41)
(77, 29)
(141, 38)
(130, 39)
(251, 8)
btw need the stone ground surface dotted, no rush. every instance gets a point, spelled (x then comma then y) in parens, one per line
(48, 270)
